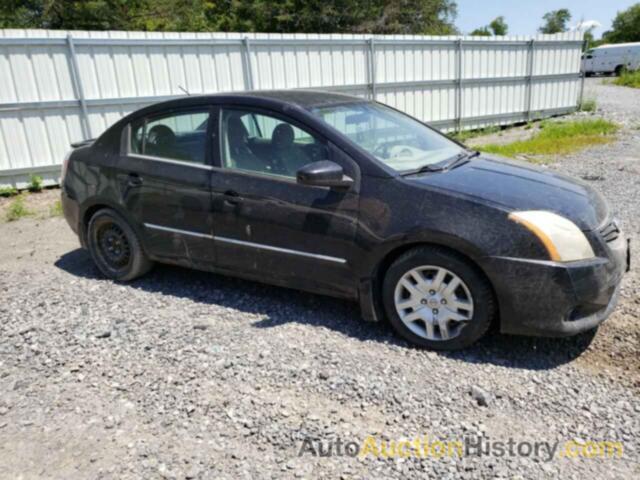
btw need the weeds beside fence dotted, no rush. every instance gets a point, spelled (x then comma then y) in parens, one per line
(628, 79)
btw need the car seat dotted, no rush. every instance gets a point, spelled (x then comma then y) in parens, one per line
(240, 155)
(285, 152)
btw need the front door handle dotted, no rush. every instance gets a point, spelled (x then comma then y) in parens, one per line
(231, 197)
(134, 180)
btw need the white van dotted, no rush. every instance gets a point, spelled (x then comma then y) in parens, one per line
(611, 58)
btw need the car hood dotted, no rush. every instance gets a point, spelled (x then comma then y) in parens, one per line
(520, 186)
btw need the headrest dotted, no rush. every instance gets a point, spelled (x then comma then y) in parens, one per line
(161, 135)
(282, 136)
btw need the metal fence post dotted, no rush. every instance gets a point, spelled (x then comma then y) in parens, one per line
(78, 90)
(529, 80)
(458, 80)
(585, 44)
(372, 68)
(247, 64)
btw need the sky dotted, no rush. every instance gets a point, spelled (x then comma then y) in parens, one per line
(524, 17)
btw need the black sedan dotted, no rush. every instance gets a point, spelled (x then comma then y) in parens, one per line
(347, 197)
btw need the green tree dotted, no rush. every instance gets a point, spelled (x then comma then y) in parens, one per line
(481, 32)
(67, 14)
(428, 17)
(171, 15)
(588, 39)
(625, 27)
(280, 16)
(499, 26)
(555, 21)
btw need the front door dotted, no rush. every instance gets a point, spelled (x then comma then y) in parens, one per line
(164, 174)
(266, 223)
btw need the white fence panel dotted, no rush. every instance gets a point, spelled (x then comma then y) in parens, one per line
(59, 87)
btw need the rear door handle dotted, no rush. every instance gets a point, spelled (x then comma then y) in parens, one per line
(134, 180)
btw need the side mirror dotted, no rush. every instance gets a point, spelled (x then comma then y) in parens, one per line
(324, 173)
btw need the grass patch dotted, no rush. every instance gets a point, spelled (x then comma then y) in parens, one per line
(17, 209)
(42, 205)
(8, 191)
(628, 79)
(55, 210)
(35, 183)
(557, 138)
(588, 105)
(469, 134)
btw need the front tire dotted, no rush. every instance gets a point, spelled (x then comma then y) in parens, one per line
(437, 299)
(115, 247)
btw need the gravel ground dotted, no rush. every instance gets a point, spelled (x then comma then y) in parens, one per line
(186, 374)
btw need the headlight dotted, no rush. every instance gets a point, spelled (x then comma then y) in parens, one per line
(564, 241)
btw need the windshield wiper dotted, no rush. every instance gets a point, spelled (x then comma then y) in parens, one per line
(438, 167)
(461, 159)
(428, 168)
(425, 168)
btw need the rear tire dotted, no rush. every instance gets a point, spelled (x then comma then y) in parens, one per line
(620, 69)
(115, 247)
(445, 302)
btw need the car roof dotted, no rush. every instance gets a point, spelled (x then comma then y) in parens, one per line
(305, 99)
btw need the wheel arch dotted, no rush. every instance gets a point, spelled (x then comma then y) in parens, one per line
(371, 301)
(90, 208)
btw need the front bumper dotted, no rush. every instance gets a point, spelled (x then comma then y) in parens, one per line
(548, 298)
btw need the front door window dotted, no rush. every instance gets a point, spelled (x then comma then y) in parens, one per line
(264, 144)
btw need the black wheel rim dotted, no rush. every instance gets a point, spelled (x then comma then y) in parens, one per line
(113, 246)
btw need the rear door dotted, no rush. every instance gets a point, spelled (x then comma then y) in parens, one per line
(164, 175)
(268, 224)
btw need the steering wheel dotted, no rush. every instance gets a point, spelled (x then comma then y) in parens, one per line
(382, 150)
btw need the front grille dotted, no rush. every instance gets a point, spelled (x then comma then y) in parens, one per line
(610, 231)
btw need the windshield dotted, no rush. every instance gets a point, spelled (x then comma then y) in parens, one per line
(395, 139)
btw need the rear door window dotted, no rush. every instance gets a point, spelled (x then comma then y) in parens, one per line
(176, 136)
